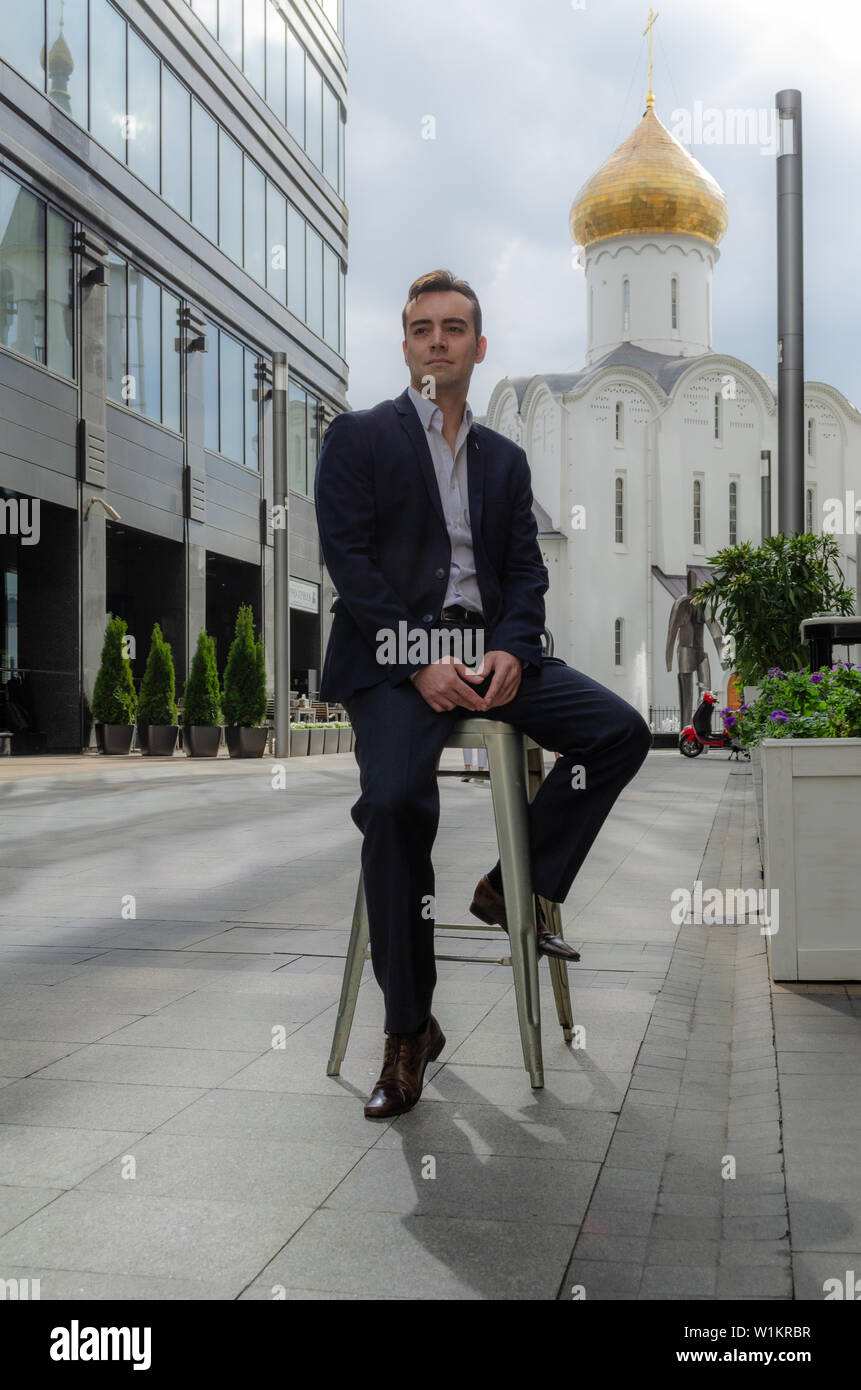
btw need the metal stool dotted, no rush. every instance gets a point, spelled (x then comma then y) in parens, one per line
(516, 770)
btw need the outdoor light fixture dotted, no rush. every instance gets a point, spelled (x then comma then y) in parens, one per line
(111, 511)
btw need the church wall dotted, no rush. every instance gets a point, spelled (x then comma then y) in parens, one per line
(649, 263)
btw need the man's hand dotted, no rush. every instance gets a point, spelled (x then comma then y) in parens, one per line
(443, 684)
(507, 670)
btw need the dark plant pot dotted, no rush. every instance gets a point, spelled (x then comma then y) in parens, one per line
(114, 738)
(299, 743)
(343, 740)
(201, 740)
(330, 740)
(246, 743)
(157, 740)
(315, 740)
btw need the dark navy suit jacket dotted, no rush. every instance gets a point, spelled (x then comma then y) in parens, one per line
(387, 549)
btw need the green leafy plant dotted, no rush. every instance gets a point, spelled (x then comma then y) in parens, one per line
(157, 703)
(202, 697)
(801, 704)
(114, 699)
(245, 675)
(759, 595)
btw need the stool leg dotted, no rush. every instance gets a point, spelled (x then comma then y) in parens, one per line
(553, 917)
(508, 782)
(357, 950)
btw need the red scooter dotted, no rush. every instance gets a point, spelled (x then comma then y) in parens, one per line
(699, 734)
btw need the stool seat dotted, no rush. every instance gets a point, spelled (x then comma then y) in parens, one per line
(516, 770)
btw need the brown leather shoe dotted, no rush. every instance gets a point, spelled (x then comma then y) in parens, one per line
(404, 1060)
(489, 907)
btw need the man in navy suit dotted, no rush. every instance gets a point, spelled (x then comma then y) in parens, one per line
(427, 531)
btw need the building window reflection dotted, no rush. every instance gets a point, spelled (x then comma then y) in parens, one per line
(143, 366)
(108, 57)
(230, 390)
(36, 281)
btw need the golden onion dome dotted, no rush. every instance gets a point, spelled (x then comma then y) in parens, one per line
(650, 184)
(60, 60)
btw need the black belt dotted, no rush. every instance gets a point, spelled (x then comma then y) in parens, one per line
(456, 614)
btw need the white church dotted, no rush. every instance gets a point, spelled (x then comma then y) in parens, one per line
(650, 458)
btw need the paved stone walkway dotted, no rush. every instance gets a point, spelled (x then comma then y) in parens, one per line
(167, 1129)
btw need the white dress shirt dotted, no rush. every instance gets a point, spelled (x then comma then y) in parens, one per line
(451, 476)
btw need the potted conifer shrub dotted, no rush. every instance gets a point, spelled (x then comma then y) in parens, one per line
(201, 702)
(157, 726)
(114, 701)
(244, 700)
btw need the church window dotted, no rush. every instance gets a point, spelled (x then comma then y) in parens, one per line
(617, 642)
(808, 509)
(620, 422)
(811, 437)
(626, 305)
(717, 414)
(733, 513)
(698, 517)
(674, 301)
(620, 511)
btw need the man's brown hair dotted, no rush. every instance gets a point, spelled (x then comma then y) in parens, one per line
(442, 280)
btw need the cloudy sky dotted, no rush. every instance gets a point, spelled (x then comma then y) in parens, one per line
(529, 97)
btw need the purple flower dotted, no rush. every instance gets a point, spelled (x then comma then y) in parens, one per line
(776, 672)
(743, 709)
(729, 721)
(817, 678)
(779, 716)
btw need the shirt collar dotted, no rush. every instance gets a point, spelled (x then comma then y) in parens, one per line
(428, 409)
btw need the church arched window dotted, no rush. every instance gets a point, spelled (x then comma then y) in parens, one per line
(626, 305)
(620, 422)
(718, 421)
(617, 642)
(808, 509)
(733, 513)
(811, 437)
(620, 511)
(698, 512)
(674, 301)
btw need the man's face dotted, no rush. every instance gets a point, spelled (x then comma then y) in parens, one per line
(440, 341)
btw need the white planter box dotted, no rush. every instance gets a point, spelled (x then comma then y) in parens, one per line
(811, 812)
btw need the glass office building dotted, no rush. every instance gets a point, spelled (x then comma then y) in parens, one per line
(172, 212)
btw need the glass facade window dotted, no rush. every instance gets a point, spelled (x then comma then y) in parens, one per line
(313, 113)
(176, 148)
(314, 282)
(311, 418)
(207, 10)
(230, 29)
(252, 413)
(342, 163)
(342, 296)
(331, 121)
(295, 88)
(117, 327)
(144, 138)
(297, 443)
(108, 72)
(276, 62)
(255, 44)
(69, 92)
(295, 262)
(144, 368)
(170, 383)
(61, 290)
(330, 296)
(230, 394)
(255, 222)
(229, 197)
(22, 271)
(204, 176)
(23, 29)
(210, 388)
(276, 243)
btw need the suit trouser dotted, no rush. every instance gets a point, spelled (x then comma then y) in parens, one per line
(398, 742)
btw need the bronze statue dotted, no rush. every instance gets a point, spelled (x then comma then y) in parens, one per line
(686, 622)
